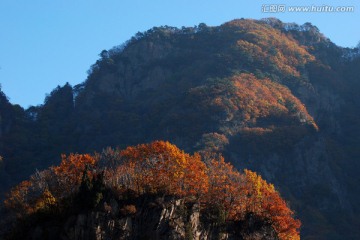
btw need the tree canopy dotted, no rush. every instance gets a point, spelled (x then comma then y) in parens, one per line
(157, 168)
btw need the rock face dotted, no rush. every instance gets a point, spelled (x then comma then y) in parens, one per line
(168, 220)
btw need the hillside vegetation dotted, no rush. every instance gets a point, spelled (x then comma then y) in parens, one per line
(87, 182)
(279, 99)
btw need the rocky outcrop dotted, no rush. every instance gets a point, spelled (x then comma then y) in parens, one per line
(172, 219)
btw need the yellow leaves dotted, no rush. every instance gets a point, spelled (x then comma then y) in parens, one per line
(266, 202)
(45, 201)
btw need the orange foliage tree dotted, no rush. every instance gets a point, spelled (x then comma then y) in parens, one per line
(44, 189)
(161, 168)
(31, 195)
(70, 171)
(18, 198)
(224, 187)
(263, 200)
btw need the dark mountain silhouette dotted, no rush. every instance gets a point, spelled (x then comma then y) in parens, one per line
(278, 98)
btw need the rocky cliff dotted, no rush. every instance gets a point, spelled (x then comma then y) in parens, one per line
(157, 219)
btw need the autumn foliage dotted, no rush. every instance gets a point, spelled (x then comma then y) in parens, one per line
(270, 47)
(244, 100)
(69, 172)
(160, 168)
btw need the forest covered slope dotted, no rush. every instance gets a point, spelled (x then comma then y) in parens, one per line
(277, 98)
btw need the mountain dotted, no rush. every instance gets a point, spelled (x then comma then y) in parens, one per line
(277, 98)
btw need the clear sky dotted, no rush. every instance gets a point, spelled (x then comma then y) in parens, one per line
(46, 43)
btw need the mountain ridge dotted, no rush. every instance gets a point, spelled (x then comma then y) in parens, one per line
(194, 87)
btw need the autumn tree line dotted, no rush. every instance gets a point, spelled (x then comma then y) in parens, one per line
(157, 168)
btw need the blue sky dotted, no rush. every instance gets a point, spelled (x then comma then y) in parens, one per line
(45, 43)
